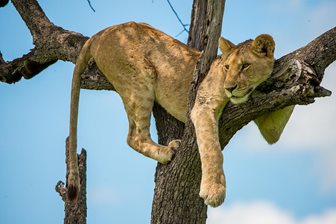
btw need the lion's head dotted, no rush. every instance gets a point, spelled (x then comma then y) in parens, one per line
(246, 65)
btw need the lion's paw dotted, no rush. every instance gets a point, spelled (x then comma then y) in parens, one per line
(213, 194)
(174, 144)
(167, 153)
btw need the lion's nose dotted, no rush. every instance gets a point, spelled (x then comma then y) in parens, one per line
(231, 88)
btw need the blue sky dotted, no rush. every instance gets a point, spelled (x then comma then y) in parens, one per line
(292, 182)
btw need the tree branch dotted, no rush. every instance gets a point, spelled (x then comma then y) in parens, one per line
(51, 42)
(38, 24)
(178, 18)
(89, 2)
(26, 66)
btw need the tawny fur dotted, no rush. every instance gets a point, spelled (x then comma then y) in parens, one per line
(145, 65)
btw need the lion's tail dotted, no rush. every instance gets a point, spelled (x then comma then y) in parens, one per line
(73, 181)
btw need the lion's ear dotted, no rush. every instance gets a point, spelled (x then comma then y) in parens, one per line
(225, 46)
(264, 45)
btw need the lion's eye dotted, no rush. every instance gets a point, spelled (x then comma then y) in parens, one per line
(245, 66)
(226, 66)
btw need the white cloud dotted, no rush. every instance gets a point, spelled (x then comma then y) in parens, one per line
(254, 213)
(264, 213)
(327, 218)
(326, 171)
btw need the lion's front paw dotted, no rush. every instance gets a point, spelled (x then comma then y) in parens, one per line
(213, 194)
(168, 152)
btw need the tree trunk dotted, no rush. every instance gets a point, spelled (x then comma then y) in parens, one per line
(177, 184)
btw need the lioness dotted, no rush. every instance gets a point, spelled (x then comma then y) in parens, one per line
(145, 65)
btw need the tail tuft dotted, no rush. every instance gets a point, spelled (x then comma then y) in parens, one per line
(73, 187)
(72, 192)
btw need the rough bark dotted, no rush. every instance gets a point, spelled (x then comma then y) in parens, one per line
(296, 80)
(198, 23)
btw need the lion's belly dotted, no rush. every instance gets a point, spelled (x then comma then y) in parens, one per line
(176, 106)
(172, 95)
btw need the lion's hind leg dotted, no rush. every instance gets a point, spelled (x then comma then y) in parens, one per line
(138, 101)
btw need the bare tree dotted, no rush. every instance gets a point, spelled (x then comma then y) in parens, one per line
(296, 80)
